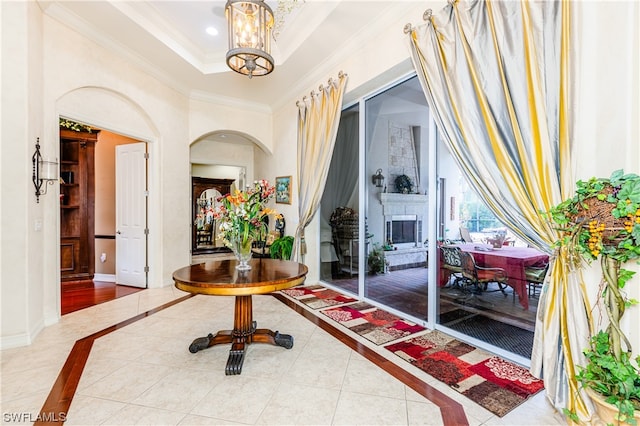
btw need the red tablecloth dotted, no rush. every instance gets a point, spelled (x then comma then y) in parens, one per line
(513, 260)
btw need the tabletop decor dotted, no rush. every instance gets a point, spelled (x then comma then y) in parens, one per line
(603, 220)
(241, 216)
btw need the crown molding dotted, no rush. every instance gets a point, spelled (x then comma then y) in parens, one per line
(199, 95)
(79, 25)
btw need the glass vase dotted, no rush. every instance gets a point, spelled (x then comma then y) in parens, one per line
(242, 250)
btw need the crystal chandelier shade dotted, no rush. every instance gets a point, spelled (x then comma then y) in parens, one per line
(250, 25)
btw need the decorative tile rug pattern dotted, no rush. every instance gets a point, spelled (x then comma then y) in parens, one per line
(372, 323)
(317, 296)
(492, 382)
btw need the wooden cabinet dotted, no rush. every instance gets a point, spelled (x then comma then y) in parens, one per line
(77, 205)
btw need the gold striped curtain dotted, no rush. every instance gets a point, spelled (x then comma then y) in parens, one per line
(318, 119)
(496, 77)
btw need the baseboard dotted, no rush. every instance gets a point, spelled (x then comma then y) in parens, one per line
(22, 339)
(15, 341)
(108, 278)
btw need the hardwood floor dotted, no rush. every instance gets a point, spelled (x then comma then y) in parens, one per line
(83, 294)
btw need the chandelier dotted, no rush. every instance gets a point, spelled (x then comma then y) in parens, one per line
(250, 25)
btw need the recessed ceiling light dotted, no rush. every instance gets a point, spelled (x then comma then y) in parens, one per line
(212, 31)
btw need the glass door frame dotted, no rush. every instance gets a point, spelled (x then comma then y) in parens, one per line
(434, 208)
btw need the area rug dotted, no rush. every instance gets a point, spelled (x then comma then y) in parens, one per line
(492, 382)
(373, 324)
(317, 296)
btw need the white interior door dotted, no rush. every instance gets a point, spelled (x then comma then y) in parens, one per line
(131, 214)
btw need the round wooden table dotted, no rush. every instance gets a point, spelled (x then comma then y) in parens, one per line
(221, 278)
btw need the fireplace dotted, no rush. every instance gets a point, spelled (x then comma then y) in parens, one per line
(404, 230)
(403, 218)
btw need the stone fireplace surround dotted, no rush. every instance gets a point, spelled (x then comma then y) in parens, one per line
(397, 206)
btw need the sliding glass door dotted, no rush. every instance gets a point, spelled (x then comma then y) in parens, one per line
(395, 199)
(396, 147)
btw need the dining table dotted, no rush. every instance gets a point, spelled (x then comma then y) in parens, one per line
(513, 259)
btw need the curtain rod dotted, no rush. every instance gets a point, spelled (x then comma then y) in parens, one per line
(330, 83)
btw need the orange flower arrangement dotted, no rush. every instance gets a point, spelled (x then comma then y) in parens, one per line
(242, 215)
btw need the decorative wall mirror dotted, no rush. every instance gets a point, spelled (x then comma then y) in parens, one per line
(205, 192)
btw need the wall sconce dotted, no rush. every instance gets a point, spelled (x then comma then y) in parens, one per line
(43, 170)
(378, 179)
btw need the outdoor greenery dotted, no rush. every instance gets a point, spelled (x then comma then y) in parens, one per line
(603, 220)
(475, 215)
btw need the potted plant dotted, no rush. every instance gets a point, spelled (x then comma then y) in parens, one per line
(602, 221)
(281, 247)
(376, 260)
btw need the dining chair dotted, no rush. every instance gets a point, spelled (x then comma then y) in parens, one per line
(465, 235)
(479, 277)
(452, 263)
(535, 277)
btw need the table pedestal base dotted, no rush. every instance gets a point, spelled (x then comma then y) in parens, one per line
(244, 332)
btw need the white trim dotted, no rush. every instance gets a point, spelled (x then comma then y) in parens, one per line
(109, 278)
(199, 95)
(22, 339)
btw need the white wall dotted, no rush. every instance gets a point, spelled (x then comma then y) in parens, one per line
(251, 120)
(22, 254)
(607, 129)
(218, 172)
(50, 70)
(86, 82)
(229, 158)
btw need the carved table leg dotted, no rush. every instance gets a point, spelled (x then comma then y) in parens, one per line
(244, 332)
(243, 328)
(200, 343)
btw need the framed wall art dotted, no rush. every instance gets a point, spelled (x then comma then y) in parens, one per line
(283, 189)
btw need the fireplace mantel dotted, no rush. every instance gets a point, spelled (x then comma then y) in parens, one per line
(403, 204)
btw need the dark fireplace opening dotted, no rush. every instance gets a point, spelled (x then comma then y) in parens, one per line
(401, 231)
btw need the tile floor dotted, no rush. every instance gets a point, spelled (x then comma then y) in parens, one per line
(144, 374)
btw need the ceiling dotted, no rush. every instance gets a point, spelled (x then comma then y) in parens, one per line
(169, 40)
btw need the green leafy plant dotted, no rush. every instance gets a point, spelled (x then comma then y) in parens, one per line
(617, 379)
(603, 220)
(74, 125)
(281, 248)
(377, 260)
